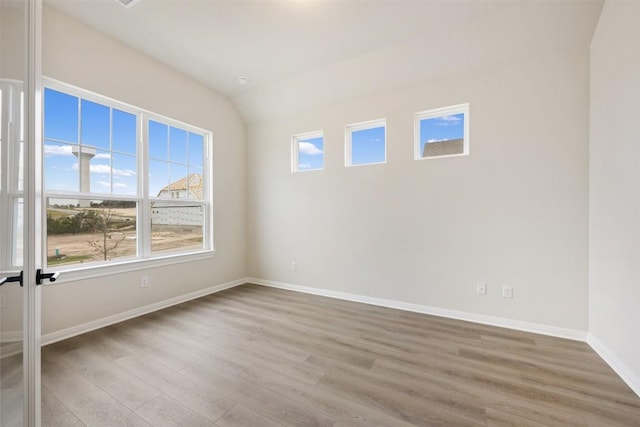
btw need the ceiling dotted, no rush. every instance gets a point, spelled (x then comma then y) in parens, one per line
(301, 54)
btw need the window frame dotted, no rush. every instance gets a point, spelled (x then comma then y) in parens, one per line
(144, 257)
(348, 143)
(434, 114)
(295, 150)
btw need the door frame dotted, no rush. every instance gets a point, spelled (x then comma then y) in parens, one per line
(32, 212)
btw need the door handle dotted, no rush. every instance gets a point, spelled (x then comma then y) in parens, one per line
(16, 278)
(41, 276)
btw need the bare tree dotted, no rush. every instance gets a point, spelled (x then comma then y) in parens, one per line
(108, 243)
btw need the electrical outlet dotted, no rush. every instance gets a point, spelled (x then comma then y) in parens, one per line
(294, 266)
(507, 291)
(144, 282)
(482, 288)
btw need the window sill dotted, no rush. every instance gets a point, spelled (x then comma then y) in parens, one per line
(82, 273)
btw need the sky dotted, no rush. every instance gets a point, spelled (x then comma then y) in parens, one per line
(368, 146)
(311, 153)
(109, 135)
(439, 129)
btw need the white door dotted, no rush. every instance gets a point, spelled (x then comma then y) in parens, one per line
(19, 231)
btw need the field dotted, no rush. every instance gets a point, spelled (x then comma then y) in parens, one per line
(121, 242)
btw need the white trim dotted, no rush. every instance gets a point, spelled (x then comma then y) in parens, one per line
(64, 334)
(623, 371)
(11, 336)
(355, 127)
(433, 114)
(101, 268)
(12, 343)
(554, 331)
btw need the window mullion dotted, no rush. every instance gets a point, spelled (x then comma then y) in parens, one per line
(144, 209)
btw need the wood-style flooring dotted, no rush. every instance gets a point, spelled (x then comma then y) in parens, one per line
(255, 356)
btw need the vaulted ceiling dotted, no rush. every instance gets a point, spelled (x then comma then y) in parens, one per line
(300, 54)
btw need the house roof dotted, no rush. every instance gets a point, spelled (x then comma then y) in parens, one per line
(443, 148)
(194, 183)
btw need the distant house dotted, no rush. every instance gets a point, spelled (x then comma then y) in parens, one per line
(190, 187)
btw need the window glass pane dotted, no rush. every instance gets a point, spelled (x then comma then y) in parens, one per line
(178, 145)
(158, 141)
(2, 119)
(441, 136)
(20, 179)
(311, 153)
(179, 182)
(60, 166)
(196, 184)
(124, 132)
(101, 231)
(100, 170)
(60, 116)
(158, 177)
(124, 174)
(176, 227)
(96, 125)
(368, 146)
(18, 230)
(196, 150)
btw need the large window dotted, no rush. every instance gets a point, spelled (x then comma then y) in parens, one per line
(442, 132)
(121, 183)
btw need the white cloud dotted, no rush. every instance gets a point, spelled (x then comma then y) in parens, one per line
(123, 172)
(57, 150)
(106, 169)
(437, 140)
(448, 121)
(309, 149)
(304, 166)
(65, 150)
(107, 184)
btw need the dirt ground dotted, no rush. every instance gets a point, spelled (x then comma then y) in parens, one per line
(77, 248)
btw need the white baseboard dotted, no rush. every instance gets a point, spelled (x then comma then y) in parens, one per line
(537, 328)
(10, 343)
(627, 375)
(116, 318)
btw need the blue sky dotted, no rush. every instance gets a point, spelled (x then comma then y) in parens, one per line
(368, 146)
(439, 129)
(110, 135)
(311, 153)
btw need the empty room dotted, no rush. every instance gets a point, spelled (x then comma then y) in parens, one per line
(319, 213)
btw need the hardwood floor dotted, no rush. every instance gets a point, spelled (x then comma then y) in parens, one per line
(255, 356)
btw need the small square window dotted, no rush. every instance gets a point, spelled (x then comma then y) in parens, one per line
(442, 132)
(307, 152)
(365, 143)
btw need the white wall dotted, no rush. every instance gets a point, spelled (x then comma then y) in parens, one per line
(514, 212)
(614, 262)
(78, 55)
